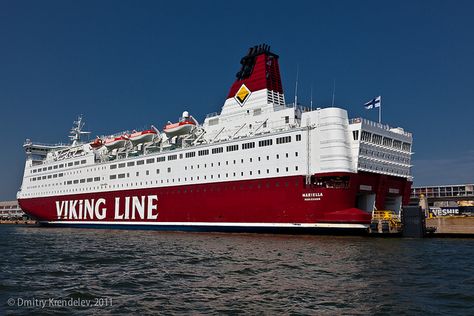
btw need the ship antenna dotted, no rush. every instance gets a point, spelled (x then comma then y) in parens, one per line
(77, 131)
(296, 86)
(311, 102)
(333, 91)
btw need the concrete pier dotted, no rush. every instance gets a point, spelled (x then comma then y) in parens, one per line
(455, 225)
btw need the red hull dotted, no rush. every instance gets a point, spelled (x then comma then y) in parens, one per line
(264, 202)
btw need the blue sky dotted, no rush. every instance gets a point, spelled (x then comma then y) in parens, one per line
(129, 64)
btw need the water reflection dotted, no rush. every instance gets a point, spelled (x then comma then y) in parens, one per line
(150, 272)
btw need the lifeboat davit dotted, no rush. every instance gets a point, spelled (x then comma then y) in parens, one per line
(97, 143)
(115, 142)
(183, 127)
(142, 136)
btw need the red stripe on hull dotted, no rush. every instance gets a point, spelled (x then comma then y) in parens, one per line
(274, 200)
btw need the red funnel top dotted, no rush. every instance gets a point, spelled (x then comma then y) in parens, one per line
(259, 70)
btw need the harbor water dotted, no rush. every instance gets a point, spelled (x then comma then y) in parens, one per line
(89, 271)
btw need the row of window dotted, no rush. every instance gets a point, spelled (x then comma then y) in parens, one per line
(375, 153)
(171, 190)
(388, 169)
(88, 180)
(204, 152)
(50, 176)
(149, 161)
(95, 179)
(6, 207)
(283, 140)
(59, 166)
(13, 212)
(230, 148)
(162, 181)
(380, 140)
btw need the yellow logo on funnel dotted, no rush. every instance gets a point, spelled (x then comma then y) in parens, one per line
(242, 95)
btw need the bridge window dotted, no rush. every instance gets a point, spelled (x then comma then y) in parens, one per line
(355, 135)
(406, 147)
(366, 136)
(387, 141)
(376, 139)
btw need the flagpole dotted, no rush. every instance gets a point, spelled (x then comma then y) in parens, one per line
(380, 111)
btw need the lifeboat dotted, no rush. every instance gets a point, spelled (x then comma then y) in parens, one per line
(142, 136)
(97, 143)
(183, 127)
(115, 142)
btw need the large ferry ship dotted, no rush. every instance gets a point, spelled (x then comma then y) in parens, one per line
(259, 165)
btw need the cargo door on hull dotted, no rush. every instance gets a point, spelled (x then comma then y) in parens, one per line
(366, 201)
(393, 203)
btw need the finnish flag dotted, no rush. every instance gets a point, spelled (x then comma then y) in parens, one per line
(374, 103)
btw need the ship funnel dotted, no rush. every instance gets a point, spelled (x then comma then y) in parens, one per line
(259, 70)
